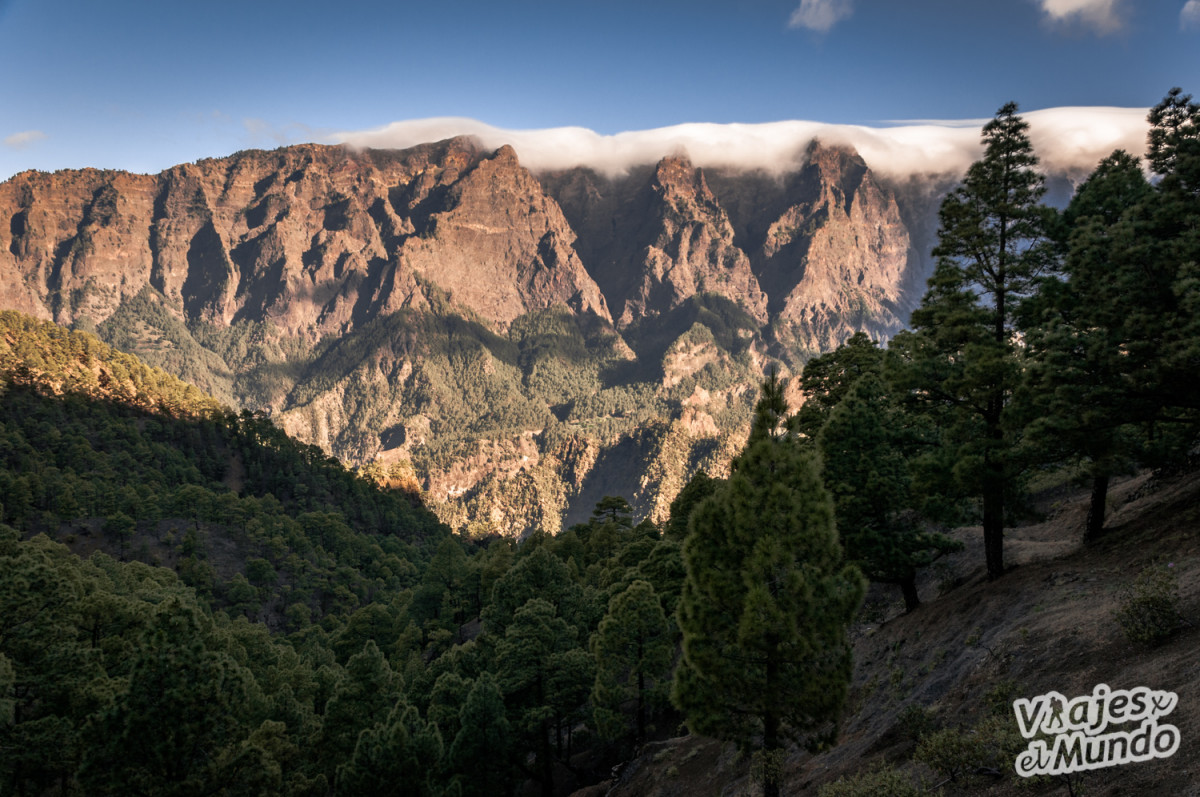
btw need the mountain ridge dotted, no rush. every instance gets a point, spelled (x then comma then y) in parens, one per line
(360, 295)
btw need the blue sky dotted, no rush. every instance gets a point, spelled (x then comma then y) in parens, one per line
(145, 84)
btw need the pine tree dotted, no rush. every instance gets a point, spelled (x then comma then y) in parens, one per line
(480, 752)
(184, 703)
(699, 487)
(992, 246)
(443, 598)
(1174, 144)
(539, 575)
(767, 600)
(1164, 319)
(7, 703)
(633, 652)
(866, 444)
(363, 699)
(397, 758)
(827, 379)
(1117, 343)
(545, 676)
(1076, 336)
(446, 700)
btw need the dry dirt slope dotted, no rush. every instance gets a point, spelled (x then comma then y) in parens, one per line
(1047, 625)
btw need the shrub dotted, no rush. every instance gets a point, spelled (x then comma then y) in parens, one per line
(916, 721)
(1000, 696)
(1149, 612)
(951, 752)
(871, 783)
(987, 748)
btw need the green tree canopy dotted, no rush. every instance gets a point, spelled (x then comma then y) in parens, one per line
(481, 749)
(827, 379)
(545, 676)
(767, 600)
(867, 444)
(181, 709)
(992, 246)
(1079, 405)
(633, 652)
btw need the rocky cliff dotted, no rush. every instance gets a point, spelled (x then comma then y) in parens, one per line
(816, 254)
(525, 340)
(314, 239)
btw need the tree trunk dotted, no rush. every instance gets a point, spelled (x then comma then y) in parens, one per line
(993, 489)
(908, 588)
(545, 768)
(771, 743)
(1096, 510)
(641, 707)
(993, 525)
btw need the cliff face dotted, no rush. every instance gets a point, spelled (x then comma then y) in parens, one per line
(75, 243)
(517, 337)
(314, 239)
(318, 240)
(819, 253)
(656, 238)
(828, 246)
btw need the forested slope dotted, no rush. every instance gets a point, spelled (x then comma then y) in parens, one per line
(194, 603)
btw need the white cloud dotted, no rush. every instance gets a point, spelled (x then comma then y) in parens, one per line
(1066, 139)
(820, 15)
(24, 139)
(1189, 17)
(1103, 16)
(1076, 139)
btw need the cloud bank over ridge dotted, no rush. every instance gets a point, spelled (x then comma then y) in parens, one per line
(1071, 140)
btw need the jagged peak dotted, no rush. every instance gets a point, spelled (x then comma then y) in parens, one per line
(833, 155)
(674, 168)
(676, 175)
(506, 154)
(838, 167)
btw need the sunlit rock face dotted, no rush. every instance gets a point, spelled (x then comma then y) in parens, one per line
(528, 341)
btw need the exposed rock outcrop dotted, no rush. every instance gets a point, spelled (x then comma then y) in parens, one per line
(828, 246)
(656, 238)
(528, 342)
(314, 239)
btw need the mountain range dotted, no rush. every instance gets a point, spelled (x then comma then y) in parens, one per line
(513, 344)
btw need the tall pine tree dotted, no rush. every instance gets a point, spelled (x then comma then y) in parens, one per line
(766, 601)
(827, 379)
(1081, 407)
(1116, 344)
(480, 752)
(1165, 321)
(992, 246)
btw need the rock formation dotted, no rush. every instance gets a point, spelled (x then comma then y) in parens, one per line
(509, 333)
